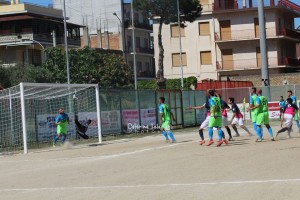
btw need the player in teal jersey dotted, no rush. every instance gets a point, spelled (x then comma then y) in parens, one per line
(296, 117)
(252, 104)
(165, 120)
(215, 120)
(262, 115)
(61, 121)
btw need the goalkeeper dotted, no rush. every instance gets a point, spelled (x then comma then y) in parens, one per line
(81, 128)
(62, 121)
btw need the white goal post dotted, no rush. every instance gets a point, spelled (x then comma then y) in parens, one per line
(30, 116)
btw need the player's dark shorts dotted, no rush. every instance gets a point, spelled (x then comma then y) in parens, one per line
(281, 110)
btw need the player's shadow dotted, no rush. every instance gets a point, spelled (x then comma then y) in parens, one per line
(185, 141)
(239, 142)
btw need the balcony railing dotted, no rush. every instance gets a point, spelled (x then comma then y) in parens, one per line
(291, 61)
(248, 34)
(138, 24)
(255, 63)
(146, 74)
(236, 4)
(207, 7)
(290, 33)
(42, 38)
(141, 50)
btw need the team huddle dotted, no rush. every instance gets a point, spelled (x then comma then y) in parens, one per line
(216, 117)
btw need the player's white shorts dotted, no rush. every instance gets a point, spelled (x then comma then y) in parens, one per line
(238, 121)
(288, 120)
(205, 123)
(225, 121)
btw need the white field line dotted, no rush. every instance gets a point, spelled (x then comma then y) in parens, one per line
(105, 156)
(148, 186)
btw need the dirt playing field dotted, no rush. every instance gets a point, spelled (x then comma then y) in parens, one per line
(149, 168)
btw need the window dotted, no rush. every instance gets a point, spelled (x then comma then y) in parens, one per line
(129, 43)
(136, 17)
(130, 63)
(138, 42)
(139, 68)
(205, 57)
(176, 59)
(175, 31)
(147, 66)
(146, 43)
(204, 28)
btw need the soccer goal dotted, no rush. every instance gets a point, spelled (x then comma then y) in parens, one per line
(28, 112)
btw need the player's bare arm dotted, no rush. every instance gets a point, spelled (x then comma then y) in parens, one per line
(195, 107)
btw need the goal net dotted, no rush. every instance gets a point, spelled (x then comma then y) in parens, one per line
(28, 112)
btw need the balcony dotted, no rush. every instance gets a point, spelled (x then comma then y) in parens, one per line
(291, 61)
(207, 8)
(243, 64)
(137, 24)
(147, 74)
(141, 50)
(227, 5)
(42, 38)
(252, 34)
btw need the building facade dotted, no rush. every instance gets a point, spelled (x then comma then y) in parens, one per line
(108, 26)
(26, 30)
(224, 42)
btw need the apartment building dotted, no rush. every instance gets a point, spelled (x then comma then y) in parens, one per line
(26, 30)
(224, 42)
(109, 27)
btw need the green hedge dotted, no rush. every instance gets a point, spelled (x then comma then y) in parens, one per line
(171, 84)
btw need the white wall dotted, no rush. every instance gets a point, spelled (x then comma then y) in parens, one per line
(94, 11)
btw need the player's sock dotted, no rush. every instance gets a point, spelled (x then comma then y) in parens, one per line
(270, 132)
(229, 132)
(298, 124)
(171, 136)
(201, 134)
(223, 135)
(255, 126)
(282, 130)
(259, 132)
(63, 139)
(235, 130)
(210, 133)
(55, 139)
(247, 130)
(220, 134)
(165, 134)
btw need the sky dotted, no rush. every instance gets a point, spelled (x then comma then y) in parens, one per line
(46, 2)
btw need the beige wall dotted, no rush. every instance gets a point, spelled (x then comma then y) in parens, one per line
(244, 43)
(192, 45)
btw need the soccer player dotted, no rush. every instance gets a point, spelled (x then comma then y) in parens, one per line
(61, 121)
(281, 105)
(215, 120)
(289, 112)
(252, 104)
(225, 122)
(81, 128)
(262, 116)
(165, 120)
(204, 124)
(237, 118)
(296, 118)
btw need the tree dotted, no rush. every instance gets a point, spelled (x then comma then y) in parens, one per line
(166, 11)
(90, 66)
